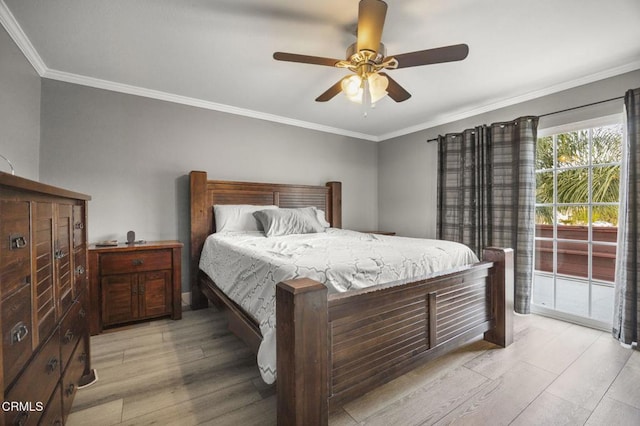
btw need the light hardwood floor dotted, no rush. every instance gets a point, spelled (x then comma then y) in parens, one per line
(193, 371)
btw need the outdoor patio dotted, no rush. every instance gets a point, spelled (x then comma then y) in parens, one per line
(572, 296)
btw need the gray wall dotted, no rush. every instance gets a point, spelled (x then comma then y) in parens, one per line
(19, 110)
(133, 155)
(407, 165)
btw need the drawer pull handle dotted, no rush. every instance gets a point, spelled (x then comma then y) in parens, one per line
(59, 254)
(68, 336)
(52, 364)
(70, 389)
(17, 242)
(22, 418)
(19, 332)
(138, 262)
(79, 225)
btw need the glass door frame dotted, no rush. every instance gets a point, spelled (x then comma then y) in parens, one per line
(552, 311)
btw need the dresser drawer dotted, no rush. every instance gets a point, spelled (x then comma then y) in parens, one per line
(72, 329)
(16, 332)
(15, 248)
(139, 261)
(52, 415)
(73, 374)
(37, 382)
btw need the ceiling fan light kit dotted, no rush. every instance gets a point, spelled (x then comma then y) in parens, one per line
(366, 58)
(354, 87)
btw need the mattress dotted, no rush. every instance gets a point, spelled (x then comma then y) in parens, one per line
(247, 266)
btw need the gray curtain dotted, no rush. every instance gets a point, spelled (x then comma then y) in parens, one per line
(486, 193)
(626, 327)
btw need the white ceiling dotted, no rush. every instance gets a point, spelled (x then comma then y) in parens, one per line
(217, 54)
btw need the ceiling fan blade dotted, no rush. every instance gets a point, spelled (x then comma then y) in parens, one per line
(331, 92)
(395, 91)
(371, 15)
(305, 59)
(456, 52)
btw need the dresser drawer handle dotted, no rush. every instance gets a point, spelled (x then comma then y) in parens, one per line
(70, 389)
(68, 336)
(17, 242)
(19, 332)
(79, 225)
(22, 418)
(59, 254)
(137, 262)
(52, 364)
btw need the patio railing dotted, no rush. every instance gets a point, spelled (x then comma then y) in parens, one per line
(573, 255)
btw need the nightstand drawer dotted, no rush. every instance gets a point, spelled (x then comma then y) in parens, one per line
(139, 261)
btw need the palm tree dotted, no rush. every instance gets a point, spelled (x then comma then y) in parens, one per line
(571, 159)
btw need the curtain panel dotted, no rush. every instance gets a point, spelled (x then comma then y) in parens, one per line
(626, 327)
(486, 193)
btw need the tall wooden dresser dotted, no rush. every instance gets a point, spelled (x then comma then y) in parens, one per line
(45, 350)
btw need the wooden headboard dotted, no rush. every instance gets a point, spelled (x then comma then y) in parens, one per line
(205, 193)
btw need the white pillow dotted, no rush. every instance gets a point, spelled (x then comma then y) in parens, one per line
(289, 221)
(322, 218)
(237, 217)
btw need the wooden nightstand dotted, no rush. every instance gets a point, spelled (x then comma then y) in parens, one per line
(134, 282)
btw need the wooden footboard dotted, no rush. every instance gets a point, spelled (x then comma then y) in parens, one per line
(333, 349)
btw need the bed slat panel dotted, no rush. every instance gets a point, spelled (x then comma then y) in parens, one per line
(377, 340)
(384, 329)
(317, 199)
(460, 308)
(254, 198)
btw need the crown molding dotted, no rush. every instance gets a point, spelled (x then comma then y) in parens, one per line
(14, 29)
(199, 103)
(444, 119)
(481, 109)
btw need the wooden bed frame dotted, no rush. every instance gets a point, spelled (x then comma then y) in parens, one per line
(334, 348)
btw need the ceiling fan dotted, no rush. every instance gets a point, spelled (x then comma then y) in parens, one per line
(367, 58)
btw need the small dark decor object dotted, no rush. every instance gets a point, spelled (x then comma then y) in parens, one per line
(131, 237)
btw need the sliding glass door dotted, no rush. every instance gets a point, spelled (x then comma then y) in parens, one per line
(577, 191)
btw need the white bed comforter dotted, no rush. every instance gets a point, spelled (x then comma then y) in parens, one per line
(247, 266)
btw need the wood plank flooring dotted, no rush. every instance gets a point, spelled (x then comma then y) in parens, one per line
(193, 371)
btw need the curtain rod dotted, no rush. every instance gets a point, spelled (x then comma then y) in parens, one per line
(581, 106)
(564, 110)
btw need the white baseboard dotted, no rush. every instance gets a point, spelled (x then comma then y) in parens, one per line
(186, 301)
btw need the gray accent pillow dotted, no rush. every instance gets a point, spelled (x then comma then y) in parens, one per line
(289, 221)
